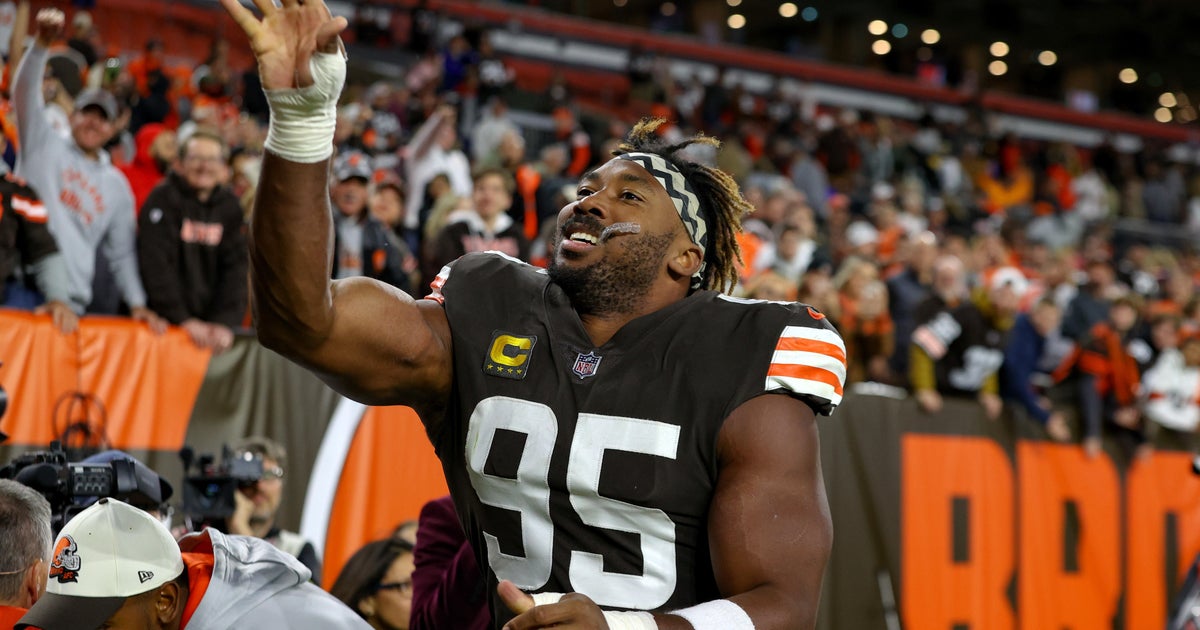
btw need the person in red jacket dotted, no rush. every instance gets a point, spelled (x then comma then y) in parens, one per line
(449, 590)
(156, 148)
(1108, 377)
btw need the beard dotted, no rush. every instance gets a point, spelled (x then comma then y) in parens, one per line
(616, 283)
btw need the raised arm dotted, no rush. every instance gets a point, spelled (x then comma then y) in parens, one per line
(28, 104)
(369, 341)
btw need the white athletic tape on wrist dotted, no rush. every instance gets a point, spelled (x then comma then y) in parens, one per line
(542, 599)
(719, 614)
(303, 120)
(632, 620)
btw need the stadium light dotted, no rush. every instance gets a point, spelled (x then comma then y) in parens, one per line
(1167, 99)
(900, 31)
(931, 36)
(881, 47)
(1047, 58)
(1128, 75)
(877, 27)
(734, 3)
(1162, 115)
(788, 9)
(997, 67)
(736, 21)
(998, 49)
(809, 14)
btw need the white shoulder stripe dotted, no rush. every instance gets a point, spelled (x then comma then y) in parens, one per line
(804, 386)
(810, 359)
(816, 334)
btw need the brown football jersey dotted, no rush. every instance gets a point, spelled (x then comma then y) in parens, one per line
(587, 469)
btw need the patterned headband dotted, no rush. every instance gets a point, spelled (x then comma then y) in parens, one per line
(686, 202)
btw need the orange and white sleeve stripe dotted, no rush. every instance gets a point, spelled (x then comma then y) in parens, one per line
(809, 362)
(31, 209)
(435, 287)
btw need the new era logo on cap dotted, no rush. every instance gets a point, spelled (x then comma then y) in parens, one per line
(145, 576)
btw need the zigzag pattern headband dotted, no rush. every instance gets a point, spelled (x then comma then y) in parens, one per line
(685, 200)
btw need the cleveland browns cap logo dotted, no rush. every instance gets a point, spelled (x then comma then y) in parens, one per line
(65, 566)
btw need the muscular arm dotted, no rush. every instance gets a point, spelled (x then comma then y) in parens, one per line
(368, 341)
(365, 339)
(769, 526)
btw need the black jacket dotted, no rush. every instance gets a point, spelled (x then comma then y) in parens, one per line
(24, 237)
(192, 254)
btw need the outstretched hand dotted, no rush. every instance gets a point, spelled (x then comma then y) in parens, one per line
(573, 611)
(286, 37)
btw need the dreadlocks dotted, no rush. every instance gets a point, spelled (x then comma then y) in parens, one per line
(721, 201)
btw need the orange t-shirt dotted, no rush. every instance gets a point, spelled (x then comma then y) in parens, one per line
(10, 615)
(200, 569)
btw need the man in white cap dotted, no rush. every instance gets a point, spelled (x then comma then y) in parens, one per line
(115, 566)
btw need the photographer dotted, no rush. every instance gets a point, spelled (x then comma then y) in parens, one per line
(25, 541)
(258, 503)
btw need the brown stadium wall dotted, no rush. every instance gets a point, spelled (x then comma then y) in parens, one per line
(942, 521)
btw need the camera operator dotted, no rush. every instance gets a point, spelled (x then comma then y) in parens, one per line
(152, 503)
(258, 503)
(25, 541)
(71, 486)
(115, 566)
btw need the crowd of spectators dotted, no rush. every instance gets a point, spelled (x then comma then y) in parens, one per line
(955, 260)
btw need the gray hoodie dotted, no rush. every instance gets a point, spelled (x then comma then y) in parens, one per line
(256, 586)
(89, 202)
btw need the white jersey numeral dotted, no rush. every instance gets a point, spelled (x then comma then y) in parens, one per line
(529, 494)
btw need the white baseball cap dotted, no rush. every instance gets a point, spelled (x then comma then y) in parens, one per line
(1010, 277)
(106, 554)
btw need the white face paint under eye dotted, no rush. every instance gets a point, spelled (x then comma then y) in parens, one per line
(627, 227)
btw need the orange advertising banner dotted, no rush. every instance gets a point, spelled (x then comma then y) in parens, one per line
(114, 378)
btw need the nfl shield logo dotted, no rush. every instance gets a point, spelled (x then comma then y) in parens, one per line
(586, 364)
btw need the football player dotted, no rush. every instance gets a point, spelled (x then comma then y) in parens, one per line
(627, 447)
